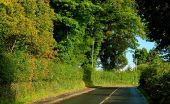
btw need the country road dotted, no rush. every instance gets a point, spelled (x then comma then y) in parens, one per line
(109, 95)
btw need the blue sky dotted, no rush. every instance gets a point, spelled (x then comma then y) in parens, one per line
(143, 44)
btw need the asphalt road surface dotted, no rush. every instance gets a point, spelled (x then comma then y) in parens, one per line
(109, 95)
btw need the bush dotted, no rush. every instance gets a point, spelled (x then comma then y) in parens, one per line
(24, 77)
(155, 80)
(142, 67)
(87, 75)
(6, 69)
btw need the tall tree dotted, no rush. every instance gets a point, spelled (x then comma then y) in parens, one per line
(26, 26)
(112, 52)
(77, 29)
(156, 14)
(25, 38)
(81, 25)
(153, 56)
(121, 26)
(141, 56)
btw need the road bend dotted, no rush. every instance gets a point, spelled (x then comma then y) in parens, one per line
(109, 95)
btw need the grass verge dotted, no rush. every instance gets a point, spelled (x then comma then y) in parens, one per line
(115, 78)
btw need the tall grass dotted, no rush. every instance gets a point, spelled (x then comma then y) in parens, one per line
(115, 78)
(33, 78)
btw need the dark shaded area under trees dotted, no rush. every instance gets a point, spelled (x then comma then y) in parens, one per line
(156, 15)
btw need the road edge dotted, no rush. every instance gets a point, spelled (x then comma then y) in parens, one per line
(143, 95)
(59, 98)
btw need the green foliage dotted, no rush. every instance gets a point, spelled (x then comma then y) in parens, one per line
(120, 62)
(116, 78)
(121, 26)
(29, 29)
(33, 78)
(154, 57)
(6, 70)
(87, 75)
(112, 53)
(156, 15)
(142, 67)
(155, 81)
(25, 35)
(80, 24)
(26, 26)
(73, 25)
(141, 56)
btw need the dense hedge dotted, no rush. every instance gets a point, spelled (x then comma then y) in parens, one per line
(155, 80)
(28, 67)
(28, 78)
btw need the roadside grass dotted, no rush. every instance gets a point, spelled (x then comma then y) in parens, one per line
(33, 78)
(115, 78)
(27, 92)
(43, 89)
(36, 78)
(39, 90)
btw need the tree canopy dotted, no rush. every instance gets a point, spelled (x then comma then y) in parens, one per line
(76, 32)
(156, 14)
(109, 26)
(76, 28)
(26, 26)
(121, 26)
(141, 56)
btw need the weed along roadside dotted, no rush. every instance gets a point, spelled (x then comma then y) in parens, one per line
(62, 80)
(116, 78)
(108, 79)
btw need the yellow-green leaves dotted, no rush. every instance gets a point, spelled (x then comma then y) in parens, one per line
(30, 22)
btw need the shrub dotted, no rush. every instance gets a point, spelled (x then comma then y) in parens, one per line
(87, 75)
(155, 80)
